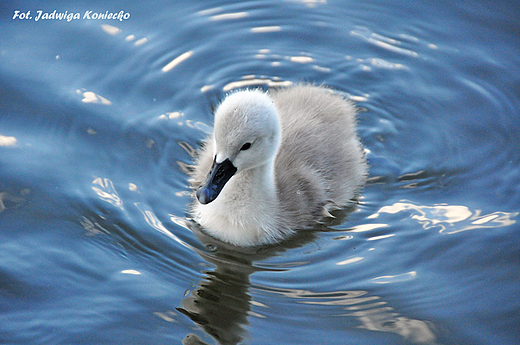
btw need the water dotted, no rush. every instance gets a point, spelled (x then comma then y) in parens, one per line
(98, 124)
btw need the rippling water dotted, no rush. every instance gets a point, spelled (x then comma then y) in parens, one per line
(99, 120)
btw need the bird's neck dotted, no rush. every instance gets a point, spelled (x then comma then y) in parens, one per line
(246, 211)
(256, 187)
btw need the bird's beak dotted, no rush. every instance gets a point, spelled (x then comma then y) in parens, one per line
(217, 178)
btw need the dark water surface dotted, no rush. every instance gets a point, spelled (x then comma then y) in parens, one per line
(98, 122)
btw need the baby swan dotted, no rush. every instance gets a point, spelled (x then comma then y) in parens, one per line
(276, 162)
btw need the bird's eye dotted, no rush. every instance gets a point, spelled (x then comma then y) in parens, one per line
(245, 146)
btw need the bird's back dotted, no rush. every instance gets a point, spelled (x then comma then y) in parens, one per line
(320, 161)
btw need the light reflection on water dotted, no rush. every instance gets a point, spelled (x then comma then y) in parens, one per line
(7, 141)
(449, 219)
(222, 301)
(373, 313)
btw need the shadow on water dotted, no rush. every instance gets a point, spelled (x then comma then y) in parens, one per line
(221, 303)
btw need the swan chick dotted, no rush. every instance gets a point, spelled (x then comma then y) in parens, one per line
(277, 162)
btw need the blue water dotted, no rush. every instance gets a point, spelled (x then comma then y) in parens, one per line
(99, 120)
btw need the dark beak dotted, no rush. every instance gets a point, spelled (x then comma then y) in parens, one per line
(220, 173)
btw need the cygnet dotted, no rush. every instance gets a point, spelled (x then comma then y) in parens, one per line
(277, 162)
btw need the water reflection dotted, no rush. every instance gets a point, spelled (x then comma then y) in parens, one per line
(227, 16)
(152, 220)
(265, 29)
(92, 227)
(396, 278)
(381, 41)
(12, 200)
(312, 3)
(181, 58)
(114, 31)
(383, 320)
(255, 81)
(449, 219)
(371, 311)
(110, 29)
(7, 141)
(221, 302)
(104, 188)
(91, 97)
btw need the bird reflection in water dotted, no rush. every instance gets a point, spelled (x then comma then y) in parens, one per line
(221, 303)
